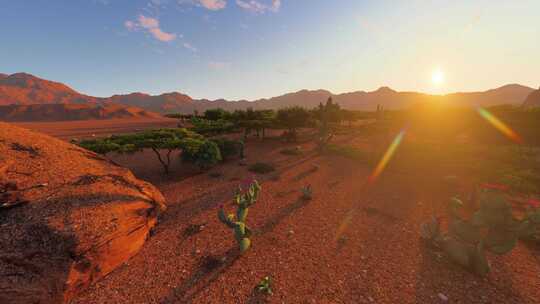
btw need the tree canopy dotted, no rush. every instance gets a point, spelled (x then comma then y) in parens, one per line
(199, 150)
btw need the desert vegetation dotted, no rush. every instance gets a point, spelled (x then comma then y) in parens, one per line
(270, 152)
(462, 194)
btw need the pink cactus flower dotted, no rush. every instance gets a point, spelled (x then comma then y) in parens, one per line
(247, 182)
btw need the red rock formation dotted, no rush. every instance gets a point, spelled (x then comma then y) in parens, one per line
(84, 217)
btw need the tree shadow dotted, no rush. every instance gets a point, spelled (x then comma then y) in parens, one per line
(194, 205)
(306, 173)
(282, 214)
(375, 212)
(291, 165)
(210, 269)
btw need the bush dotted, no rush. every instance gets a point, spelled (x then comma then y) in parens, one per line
(261, 168)
(203, 153)
(228, 148)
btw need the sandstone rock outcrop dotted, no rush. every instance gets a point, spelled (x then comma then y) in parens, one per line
(78, 217)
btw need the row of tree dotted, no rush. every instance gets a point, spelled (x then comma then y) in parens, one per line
(198, 144)
(218, 121)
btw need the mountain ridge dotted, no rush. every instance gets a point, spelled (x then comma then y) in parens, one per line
(533, 100)
(23, 88)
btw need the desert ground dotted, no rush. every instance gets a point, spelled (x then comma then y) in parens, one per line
(354, 242)
(89, 128)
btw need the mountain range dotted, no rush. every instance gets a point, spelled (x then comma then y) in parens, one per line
(533, 100)
(23, 89)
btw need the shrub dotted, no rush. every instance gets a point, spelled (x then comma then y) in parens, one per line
(261, 168)
(201, 152)
(243, 200)
(229, 148)
(265, 286)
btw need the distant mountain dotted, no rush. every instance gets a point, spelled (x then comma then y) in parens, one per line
(163, 103)
(510, 94)
(533, 100)
(24, 88)
(64, 112)
(24, 97)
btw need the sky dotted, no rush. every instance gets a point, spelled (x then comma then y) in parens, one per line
(250, 49)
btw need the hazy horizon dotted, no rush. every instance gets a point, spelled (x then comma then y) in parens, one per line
(232, 49)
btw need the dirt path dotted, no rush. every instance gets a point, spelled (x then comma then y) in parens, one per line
(376, 258)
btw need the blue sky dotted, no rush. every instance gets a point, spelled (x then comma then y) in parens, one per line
(252, 49)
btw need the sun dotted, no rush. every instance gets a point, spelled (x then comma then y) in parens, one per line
(437, 77)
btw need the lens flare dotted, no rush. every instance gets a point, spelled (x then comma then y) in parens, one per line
(386, 157)
(365, 187)
(499, 125)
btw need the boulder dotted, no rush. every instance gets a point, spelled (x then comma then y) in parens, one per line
(68, 217)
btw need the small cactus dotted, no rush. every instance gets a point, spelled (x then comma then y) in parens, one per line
(307, 192)
(237, 222)
(265, 286)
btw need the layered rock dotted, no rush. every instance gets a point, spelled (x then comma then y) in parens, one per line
(78, 217)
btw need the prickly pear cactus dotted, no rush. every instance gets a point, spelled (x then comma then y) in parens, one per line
(530, 226)
(243, 200)
(491, 228)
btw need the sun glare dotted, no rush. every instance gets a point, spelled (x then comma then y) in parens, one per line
(437, 77)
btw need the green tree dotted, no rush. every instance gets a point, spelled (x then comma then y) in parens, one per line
(167, 140)
(253, 120)
(216, 114)
(292, 119)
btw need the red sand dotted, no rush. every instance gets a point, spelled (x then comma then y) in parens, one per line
(377, 259)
